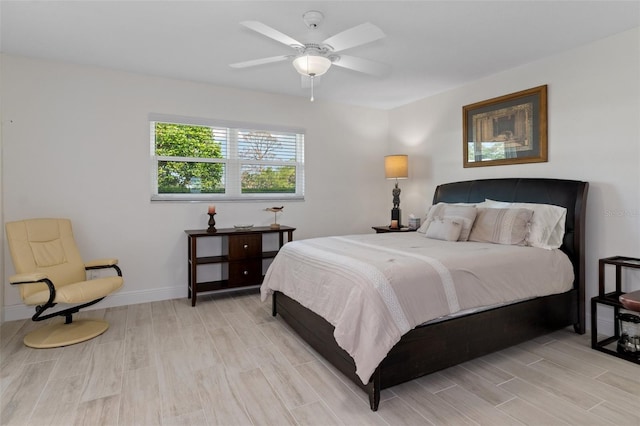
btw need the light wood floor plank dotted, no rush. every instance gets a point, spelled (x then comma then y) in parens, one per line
(138, 314)
(340, 399)
(477, 385)
(627, 416)
(431, 406)
(101, 411)
(549, 403)
(175, 380)
(141, 402)
(58, 402)
(314, 414)
(117, 319)
(105, 371)
(396, 411)
(222, 403)
(630, 384)
(74, 360)
(284, 378)
(139, 347)
(289, 345)
(528, 414)
(549, 353)
(246, 330)
(479, 410)
(261, 401)
(601, 390)
(231, 349)
(202, 351)
(17, 401)
(561, 388)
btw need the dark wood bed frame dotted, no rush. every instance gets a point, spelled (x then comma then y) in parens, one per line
(436, 346)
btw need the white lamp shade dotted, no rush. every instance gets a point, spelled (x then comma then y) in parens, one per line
(311, 65)
(396, 166)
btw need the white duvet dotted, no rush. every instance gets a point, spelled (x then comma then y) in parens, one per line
(373, 288)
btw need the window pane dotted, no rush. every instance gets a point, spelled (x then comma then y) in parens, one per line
(181, 140)
(268, 179)
(266, 146)
(179, 177)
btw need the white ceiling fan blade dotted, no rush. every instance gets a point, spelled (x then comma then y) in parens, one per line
(261, 61)
(305, 81)
(356, 36)
(363, 65)
(266, 30)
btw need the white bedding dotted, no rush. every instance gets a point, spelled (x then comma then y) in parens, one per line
(373, 288)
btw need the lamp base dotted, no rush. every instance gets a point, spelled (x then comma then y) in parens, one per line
(395, 217)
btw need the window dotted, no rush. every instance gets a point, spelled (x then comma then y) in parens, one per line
(197, 159)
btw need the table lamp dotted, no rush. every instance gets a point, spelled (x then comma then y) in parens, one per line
(396, 167)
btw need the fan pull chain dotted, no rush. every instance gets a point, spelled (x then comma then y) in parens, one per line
(312, 76)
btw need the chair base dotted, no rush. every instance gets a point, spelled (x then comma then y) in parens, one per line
(60, 334)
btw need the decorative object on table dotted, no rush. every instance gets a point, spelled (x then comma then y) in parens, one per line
(414, 222)
(275, 210)
(629, 341)
(510, 129)
(396, 167)
(212, 221)
(631, 300)
(243, 227)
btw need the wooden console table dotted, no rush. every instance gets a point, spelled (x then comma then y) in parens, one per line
(241, 251)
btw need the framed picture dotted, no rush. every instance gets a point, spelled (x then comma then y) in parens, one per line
(510, 129)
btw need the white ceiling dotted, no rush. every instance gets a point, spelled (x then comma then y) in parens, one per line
(432, 46)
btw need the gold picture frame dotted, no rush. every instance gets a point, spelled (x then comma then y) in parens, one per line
(510, 129)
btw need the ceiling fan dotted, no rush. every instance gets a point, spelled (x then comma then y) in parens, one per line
(313, 59)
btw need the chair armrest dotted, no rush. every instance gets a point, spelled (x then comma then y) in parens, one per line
(28, 278)
(100, 263)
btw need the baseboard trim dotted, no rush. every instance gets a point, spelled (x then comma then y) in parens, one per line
(18, 312)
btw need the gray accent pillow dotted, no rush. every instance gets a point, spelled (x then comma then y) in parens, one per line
(465, 214)
(502, 226)
(444, 229)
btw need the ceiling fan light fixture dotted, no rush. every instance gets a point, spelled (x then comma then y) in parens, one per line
(311, 65)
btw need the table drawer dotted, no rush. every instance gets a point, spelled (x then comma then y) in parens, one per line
(245, 246)
(245, 273)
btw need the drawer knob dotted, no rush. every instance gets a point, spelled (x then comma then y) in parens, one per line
(246, 246)
(246, 272)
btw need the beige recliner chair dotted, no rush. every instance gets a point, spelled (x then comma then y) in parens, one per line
(49, 270)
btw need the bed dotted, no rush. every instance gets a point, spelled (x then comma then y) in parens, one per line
(439, 344)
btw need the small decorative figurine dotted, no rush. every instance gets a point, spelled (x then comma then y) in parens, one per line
(275, 210)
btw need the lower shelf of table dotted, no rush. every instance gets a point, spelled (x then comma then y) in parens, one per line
(610, 346)
(206, 286)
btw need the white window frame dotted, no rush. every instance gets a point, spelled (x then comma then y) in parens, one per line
(233, 164)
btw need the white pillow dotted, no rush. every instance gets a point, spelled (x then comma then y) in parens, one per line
(547, 223)
(462, 212)
(444, 229)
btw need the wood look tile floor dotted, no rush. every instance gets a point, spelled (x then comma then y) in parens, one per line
(229, 362)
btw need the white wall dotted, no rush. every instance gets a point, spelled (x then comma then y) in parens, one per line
(76, 144)
(594, 135)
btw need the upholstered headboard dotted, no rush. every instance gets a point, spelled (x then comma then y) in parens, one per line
(571, 194)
